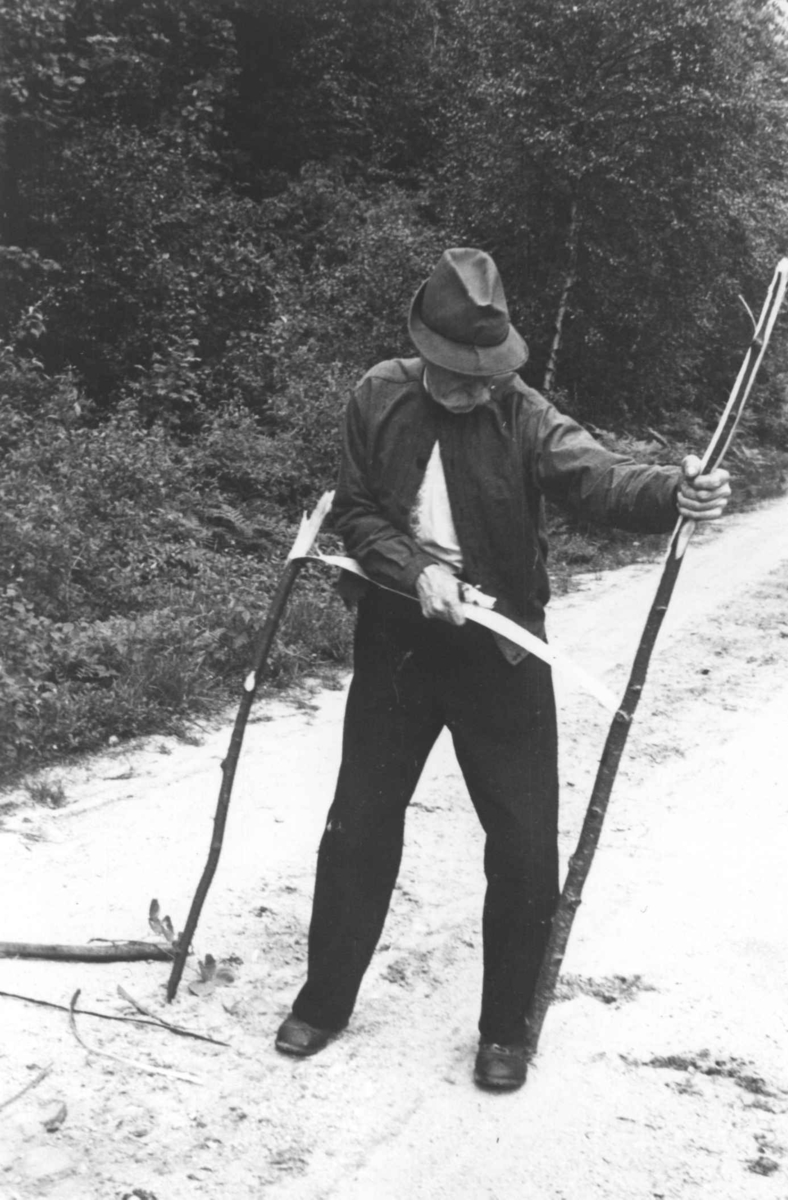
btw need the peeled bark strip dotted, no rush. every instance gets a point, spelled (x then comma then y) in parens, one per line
(479, 608)
(581, 860)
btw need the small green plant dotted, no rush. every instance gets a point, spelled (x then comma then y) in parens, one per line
(210, 973)
(161, 925)
(47, 792)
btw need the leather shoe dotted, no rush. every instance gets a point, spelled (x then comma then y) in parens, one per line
(500, 1068)
(300, 1038)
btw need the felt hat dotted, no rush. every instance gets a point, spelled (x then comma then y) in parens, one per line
(459, 319)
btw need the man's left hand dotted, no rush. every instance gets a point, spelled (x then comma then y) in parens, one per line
(702, 497)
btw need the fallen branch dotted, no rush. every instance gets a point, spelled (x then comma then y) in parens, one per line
(124, 1062)
(157, 1020)
(89, 1012)
(308, 531)
(93, 952)
(42, 1074)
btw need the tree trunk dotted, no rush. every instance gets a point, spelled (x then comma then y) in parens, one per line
(563, 304)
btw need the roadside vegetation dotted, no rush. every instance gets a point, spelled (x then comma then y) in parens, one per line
(215, 215)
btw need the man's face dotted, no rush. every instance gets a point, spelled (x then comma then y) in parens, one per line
(460, 393)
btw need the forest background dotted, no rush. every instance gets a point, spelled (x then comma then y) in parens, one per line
(214, 216)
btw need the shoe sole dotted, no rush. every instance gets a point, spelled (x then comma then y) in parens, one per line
(297, 1051)
(498, 1085)
(300, 1051)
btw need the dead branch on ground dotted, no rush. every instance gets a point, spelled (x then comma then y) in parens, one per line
(89, 1012)
(124, 1062)
(92, 952)
(157, 1020)
(42, 1074)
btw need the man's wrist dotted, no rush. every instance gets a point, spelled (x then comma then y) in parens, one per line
(416, 568)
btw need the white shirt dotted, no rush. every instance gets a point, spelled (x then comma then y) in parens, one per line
(431, 519)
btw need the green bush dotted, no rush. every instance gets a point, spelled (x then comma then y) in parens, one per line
(214, 218)
(135, 567)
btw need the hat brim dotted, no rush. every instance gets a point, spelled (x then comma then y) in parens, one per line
(508, 355)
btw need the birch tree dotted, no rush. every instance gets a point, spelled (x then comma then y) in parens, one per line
(625, 162)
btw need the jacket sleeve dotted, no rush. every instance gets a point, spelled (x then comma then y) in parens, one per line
(389, 556)
(572, 467)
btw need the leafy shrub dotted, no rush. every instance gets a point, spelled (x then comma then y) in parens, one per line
(135, 567)
(216, 216)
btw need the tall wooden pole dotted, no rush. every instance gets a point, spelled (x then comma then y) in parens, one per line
(581, 860)
(310, 527)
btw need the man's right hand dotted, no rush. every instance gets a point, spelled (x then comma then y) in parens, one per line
(439, 593)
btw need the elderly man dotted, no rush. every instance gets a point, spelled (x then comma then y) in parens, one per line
(447, 458)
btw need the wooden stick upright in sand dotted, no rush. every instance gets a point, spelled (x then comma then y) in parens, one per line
(580, 862)
(310, 527)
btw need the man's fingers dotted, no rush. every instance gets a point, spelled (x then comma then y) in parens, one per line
(444, 612)
(703, 506)
(702, 514)
(691, 466)
(703, 496)
(449, 608)
(719, 478)
(439, 593)
(709, 490)
(692, 477)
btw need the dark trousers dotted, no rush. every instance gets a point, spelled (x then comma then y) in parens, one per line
(411, 677)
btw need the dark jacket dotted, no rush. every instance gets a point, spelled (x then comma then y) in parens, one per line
(500, 461)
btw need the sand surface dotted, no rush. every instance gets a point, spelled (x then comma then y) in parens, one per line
(663, 1066)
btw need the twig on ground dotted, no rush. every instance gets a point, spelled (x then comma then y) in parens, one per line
(147, 1012)
(42, 1074)
(91, 1012)
(124, 1062)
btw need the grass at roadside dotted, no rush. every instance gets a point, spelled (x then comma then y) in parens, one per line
(159, 673)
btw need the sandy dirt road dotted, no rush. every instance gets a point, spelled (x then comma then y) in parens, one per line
(663, 1068)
